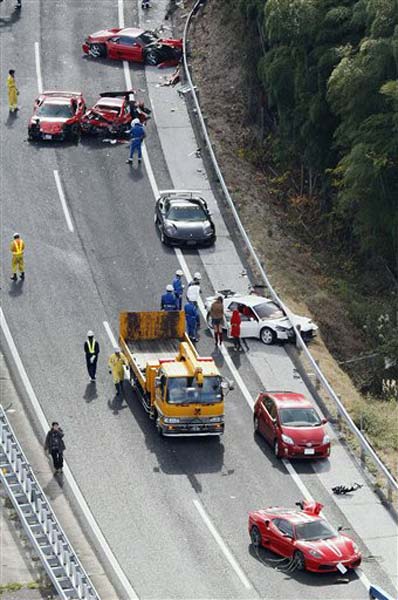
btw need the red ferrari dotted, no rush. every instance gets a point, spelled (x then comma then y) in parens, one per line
(291, 425)
(112, 114)
(136, 45)
(305, 537)
(56, 116)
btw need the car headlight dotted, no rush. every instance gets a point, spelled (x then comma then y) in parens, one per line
(208, 229)
(287, 439)
(216, 419)
(355, 547)
(326, 439)
(280, 328)
(169, 228)
(315, 553)
(171, 420)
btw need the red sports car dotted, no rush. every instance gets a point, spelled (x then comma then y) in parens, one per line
(56, 116)
(112, 114)
(305, 537)
(291, 425)
(133, 44)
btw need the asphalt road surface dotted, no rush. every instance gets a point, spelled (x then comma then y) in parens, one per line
(141, 489)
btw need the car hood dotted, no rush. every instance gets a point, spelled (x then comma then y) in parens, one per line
(334, 549)
(304, 323)
(51, 124)
(187, 229)
(305, 435)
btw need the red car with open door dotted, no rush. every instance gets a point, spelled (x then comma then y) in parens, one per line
(305, 537)
(132, 44)
(56, 116)
(291, 425)
(112, 114)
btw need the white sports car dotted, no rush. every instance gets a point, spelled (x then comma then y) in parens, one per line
(261, 318)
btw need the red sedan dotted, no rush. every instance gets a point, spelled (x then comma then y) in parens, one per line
(56, 116)
(291, 425)
(305, 537)
(136, 45)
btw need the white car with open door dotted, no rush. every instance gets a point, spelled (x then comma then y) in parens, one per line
(261, 317)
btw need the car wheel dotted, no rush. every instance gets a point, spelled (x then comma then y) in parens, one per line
(299, 560)
(162, 236)
(155, 219)
(158, 428)
(97, 50)
(255, 536)
(152, 57)
(267, 336)
(256, 424)
(277, 450)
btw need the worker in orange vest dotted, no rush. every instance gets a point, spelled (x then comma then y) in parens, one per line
(17, 248)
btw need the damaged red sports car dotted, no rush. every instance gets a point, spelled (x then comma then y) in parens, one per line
(136, 45)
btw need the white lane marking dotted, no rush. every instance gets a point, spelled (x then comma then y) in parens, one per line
(67, 472)
(120, 11)
(38, 68)
(297, 479)
(63, 200)
(361, 575)
(224, 548)
(109, 331)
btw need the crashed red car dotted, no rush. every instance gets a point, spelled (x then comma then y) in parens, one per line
(136, 45)
(305, 537)
(56, 116)
(112, 114)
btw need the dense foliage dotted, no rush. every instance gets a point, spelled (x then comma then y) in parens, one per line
(329, 71)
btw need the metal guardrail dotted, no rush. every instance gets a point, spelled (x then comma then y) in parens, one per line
(366, 448)
(39, 521)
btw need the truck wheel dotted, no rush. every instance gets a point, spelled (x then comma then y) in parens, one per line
(159, 429)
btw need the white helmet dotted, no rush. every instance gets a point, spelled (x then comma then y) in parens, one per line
(169, 288)
(116, 349)
(16, 235)
(179, 273)
(135, 122)
(90, 333)
(197, 275)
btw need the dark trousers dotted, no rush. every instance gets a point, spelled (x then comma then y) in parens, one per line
(119, 388)
(91, 366)
(58, 459)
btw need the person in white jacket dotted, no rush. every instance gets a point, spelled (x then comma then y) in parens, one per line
(193, 289)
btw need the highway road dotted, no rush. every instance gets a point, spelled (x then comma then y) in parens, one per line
(155, 500)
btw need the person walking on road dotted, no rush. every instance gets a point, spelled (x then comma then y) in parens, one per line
(17, 248)
(137, 135)
(55, 445)
(192, 320)
(193, 289)
(169, 300)
(91, 350)
(117, 362)
(235, 329)
(217, 319)
(13, 92)
(178, 287)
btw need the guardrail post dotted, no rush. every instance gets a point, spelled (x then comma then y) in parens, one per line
(298, 345)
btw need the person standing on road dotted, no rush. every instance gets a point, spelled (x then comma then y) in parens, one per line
(192, 320)
(235, 329)
(193, 289)
(17, 248)
(217, 319)
(178, 287)
(168, 300)
(137, 135)
(117, 362)
(13, 92)
(55, 445)
(91, 350)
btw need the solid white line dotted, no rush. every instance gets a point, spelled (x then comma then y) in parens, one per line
(67, 472)
(120, 10)
(109, 331)
(224, 548)
(63, 200)
(38, 68)
(297, 479)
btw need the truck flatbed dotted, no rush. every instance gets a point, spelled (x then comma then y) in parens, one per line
(148, 350)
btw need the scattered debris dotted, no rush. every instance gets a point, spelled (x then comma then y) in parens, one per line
(174, 77)
(341, 490)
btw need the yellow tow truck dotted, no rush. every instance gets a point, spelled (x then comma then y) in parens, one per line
(182, 391)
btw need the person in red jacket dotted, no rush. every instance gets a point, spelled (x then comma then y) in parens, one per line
(235, 329)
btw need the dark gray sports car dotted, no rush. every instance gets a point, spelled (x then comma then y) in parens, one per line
(183, 219)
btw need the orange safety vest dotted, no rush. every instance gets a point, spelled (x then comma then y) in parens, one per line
(18, 247)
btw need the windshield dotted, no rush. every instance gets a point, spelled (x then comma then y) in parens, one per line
(148, 37)
(186, 212)
(63, 111)
(185, 390)
(299, 417)
(315, 530)
(268, 310)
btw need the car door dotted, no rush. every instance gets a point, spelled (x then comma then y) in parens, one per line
(282, 537)
(249, 321)
(269, 419)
